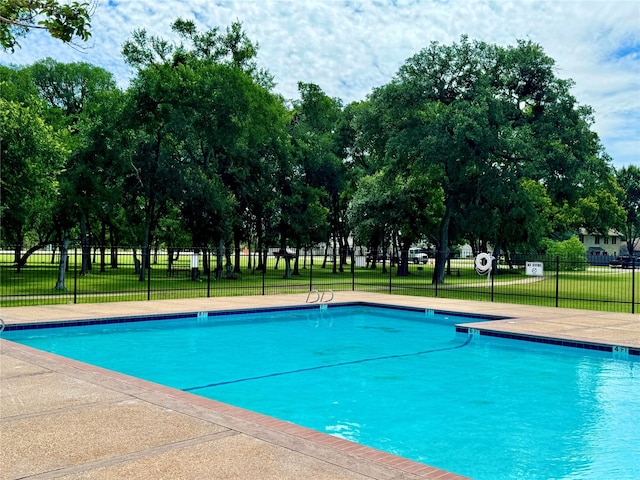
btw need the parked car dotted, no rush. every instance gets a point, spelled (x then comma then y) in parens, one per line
(418, 255)
(626, 261)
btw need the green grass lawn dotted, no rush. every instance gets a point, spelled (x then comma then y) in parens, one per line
(597, 288)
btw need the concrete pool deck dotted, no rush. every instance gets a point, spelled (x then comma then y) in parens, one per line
(64, 419)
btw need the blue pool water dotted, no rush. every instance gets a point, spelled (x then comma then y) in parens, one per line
(397, 380)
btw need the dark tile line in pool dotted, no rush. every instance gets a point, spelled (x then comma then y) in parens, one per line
(98, 321)
(480, 316)
(146, 318)
(214, 313)
(244, 311)
(548, 341)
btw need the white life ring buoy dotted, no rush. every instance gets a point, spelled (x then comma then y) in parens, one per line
(484, 263)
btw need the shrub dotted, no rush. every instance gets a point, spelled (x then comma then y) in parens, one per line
(571, 252)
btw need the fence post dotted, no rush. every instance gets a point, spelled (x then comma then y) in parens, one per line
(492, 271)
(311, 272)
(208, 258)
(75, 274)
(147, 258)
(390, 271)
(353, 268)
(264, 271)
(557, 279)
(633, 284)
(433, 274)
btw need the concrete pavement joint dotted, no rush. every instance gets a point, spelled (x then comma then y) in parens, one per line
(132, 456)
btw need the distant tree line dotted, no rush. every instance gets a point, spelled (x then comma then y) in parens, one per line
(469, 142)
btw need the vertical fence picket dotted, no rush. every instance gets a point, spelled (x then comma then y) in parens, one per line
(557, 280)
(353, 269)
(75, 275)
(633, 284)
(147, 262)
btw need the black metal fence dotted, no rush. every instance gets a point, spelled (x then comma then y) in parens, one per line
(124, 273)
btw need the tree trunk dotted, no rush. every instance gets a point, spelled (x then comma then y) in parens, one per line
(341, 255)
(403, 267)
(22, 261)
(442, 247)
(219, 259)
(17, 251)
(64, 258)
(228, 266)
(236, 250)
(334, 268)
(86, 248)
(296, 262)
(114, 256)
(206, 261)
(287, 265)
(326, 251)
(260, 236)
(103, 247)
(114, 248)
(136, 262)
(170, 261)
(146, 241)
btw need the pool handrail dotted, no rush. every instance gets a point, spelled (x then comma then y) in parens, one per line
(319, 296)
(323, 293)
(309, 295)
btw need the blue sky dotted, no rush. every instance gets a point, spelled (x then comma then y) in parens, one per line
(349, 47)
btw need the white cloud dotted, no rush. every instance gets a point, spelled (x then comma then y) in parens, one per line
(350, 47)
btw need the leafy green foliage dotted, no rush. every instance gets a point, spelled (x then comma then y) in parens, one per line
(211, 139)
(33, 156)
(571, 251)
(63, 20)
(486, 123)
(317, 149)
(629, 181)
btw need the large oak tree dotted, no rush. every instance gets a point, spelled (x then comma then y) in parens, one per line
(477, 119)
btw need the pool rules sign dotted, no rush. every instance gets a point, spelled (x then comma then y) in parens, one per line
(535, 269)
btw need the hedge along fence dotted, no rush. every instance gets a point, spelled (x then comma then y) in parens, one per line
(113, 274)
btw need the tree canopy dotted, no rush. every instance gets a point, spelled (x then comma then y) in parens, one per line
(483, 122)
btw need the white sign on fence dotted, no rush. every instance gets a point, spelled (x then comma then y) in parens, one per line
(535, 269)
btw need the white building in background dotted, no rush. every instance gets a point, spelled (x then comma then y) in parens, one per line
(466, 251)
(610, 245)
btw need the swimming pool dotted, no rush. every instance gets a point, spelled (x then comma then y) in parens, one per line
(399, 380)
